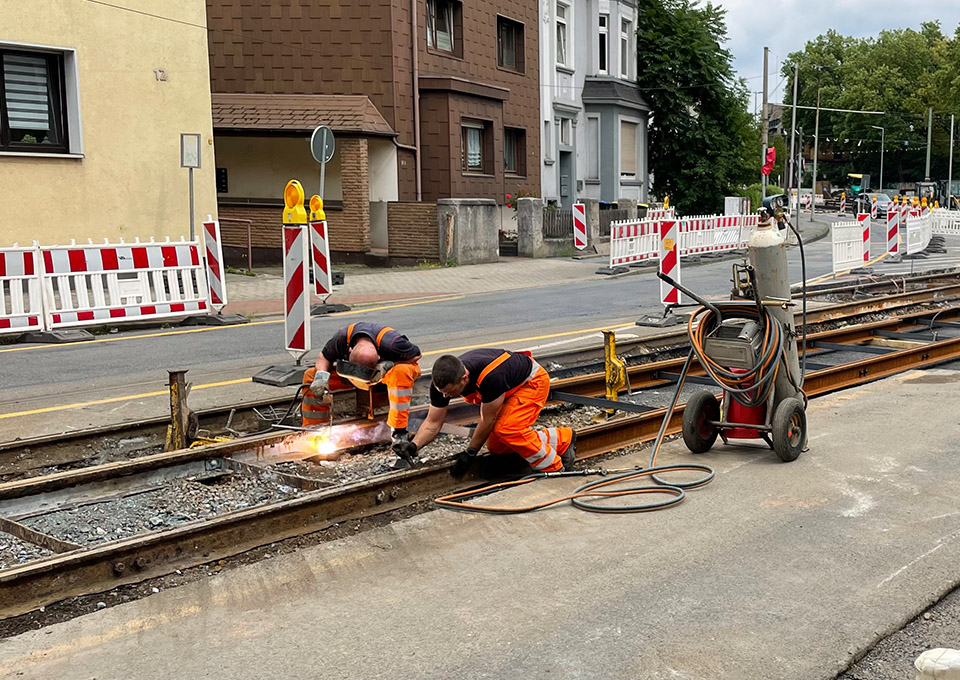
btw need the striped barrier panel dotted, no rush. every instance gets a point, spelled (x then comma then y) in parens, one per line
(21, 298)
(320, 249)
(213, 258)
(847, 245)
(893, 231)
(670, 260)
(634, 241)
(88, 284)
(873, 207)
(296, 279)
(864, 221)
(579, 226)
(919, 232)
(843, 204)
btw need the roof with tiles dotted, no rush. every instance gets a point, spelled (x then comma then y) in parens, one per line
(349, 114)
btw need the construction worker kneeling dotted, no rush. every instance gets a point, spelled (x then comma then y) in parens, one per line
(511, 389)
(391, 355)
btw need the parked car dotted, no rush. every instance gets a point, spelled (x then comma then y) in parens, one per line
(864, 200)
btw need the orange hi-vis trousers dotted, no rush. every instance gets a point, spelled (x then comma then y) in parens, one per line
(317, 411)
(514, 429)
(399, 381)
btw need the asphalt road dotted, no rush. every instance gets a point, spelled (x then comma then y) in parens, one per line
(121, 377)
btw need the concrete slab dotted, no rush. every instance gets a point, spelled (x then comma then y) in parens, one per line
(774, 571)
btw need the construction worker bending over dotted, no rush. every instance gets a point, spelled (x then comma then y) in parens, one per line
(511, 389)
(393, 357)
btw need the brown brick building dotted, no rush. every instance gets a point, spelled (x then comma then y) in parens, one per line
(444, 106)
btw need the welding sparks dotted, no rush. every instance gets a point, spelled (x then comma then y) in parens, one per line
(327, 442)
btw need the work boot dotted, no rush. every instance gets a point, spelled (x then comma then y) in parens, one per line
(569, 456)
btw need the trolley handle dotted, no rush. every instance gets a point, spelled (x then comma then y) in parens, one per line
(686, 291)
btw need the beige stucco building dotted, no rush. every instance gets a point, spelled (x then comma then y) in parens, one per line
(94, 100)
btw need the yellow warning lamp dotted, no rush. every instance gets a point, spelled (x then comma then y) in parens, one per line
(316, 209)
(293, 211)
(936, 204)
(896, 199)
(923, 202)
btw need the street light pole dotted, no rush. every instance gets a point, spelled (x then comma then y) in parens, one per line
(882, 134)
(816, 147)
(793, 124)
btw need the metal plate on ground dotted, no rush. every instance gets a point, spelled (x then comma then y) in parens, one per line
(281, 375)
(328, 308)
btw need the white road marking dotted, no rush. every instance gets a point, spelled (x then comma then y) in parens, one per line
(940, 543)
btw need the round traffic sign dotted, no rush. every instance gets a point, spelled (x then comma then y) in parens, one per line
(322, 144)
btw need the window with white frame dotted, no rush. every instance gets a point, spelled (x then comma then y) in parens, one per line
(593, 147)
(565, 136)
(628, 149)
(441, 25)
(33, 109)
(563, 12)
(625, 48)
(602, 45)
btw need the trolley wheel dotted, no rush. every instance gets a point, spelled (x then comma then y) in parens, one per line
(789, 429)
(698, 434)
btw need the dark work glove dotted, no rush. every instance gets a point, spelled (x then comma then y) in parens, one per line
(464, 460)
(398, 435)
(406, 450)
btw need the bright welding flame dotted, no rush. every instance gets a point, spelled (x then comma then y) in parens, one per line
(322, 442)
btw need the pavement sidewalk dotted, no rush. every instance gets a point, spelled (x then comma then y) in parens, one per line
(262, 294)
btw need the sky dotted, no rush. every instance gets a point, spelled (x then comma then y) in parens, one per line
(786, 25)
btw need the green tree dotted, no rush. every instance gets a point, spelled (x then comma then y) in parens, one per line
(899, 72)
(704, 144)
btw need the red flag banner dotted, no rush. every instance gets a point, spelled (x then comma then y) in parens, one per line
(771, 159)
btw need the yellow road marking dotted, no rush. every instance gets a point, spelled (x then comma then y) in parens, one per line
(113, 400)
(161, 393)
(865, 264)
(222, 328)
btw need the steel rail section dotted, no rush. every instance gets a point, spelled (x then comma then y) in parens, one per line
(26, 587)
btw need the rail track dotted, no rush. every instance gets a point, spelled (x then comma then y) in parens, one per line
(75, 449)
(916, 339)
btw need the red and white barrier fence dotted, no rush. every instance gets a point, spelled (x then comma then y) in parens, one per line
(21, 300)
(848, 245)
(632, 242)
(46, 288)
(636, 241)
(88, 284)
(320, 245)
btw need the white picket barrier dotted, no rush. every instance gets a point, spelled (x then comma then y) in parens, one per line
(726, 234)
(847, 247)
(919, 233)
(946, 222)
(21, 299)
(88, 284)
(634, 241)
(696, 234)
(748, 225)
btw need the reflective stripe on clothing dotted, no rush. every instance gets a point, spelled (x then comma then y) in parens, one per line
(315, 411)
(399, 381)
(514, 429)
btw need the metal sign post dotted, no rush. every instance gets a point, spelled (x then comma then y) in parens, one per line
(322, 146)
(190, 158)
